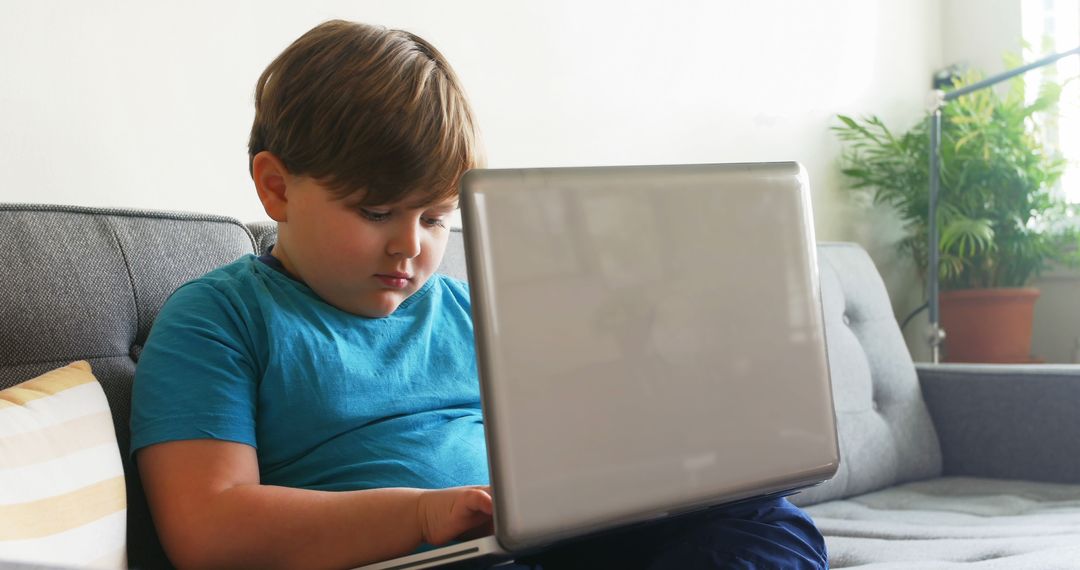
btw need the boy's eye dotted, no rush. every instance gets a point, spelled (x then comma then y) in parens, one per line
(376, 216)
(433, 222)
(373, 215)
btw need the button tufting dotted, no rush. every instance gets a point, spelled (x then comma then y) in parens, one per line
(846, 319)
(876, 406)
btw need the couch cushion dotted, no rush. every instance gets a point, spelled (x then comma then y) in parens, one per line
(86, 284)
(265, 234)
(886, 436)
(941, 522)
(62, 498)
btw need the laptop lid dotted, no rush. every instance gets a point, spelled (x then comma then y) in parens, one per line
(649, 338)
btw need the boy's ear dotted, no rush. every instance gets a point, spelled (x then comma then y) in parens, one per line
(270, 178)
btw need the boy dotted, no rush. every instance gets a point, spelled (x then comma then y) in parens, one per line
(318, 406)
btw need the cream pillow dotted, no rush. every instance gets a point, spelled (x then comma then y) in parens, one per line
(62, 497)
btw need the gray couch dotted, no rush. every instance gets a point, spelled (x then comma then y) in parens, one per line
(940, 464)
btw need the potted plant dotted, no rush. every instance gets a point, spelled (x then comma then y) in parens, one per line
(1000, 220)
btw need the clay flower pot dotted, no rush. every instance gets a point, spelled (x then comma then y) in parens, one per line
(988, 325)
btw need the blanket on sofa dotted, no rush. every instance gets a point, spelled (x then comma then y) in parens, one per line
(941, 523)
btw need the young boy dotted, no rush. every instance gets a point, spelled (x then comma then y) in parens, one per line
(318, 406)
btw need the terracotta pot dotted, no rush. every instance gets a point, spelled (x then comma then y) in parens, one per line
(988, 325)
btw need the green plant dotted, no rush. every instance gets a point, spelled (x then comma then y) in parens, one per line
(1000, 221)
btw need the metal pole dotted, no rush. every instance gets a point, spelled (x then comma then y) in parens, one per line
(1008, 74)
(935, 333)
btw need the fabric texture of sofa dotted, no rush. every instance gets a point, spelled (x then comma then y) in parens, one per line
(941, 465)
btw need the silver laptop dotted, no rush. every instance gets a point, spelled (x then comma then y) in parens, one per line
(650, 343)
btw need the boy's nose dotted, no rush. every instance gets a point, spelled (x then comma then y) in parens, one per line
(405, 241)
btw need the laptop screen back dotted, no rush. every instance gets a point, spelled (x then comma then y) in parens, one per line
(650, 340)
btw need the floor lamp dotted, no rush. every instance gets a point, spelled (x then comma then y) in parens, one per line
(938, 102)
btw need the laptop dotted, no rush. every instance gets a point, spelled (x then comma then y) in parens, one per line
(650, 343)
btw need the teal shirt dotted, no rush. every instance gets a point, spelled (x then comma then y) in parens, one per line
(330, 400)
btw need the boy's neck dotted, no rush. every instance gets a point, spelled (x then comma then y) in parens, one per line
(274, 263)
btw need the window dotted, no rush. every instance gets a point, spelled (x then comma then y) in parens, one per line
(1051, 26)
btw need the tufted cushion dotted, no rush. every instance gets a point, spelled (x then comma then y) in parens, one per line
(85, 284)
(886, 436)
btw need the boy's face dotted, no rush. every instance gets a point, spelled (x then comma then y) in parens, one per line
(363, 260)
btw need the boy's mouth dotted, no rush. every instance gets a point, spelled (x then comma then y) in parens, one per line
(394, 280)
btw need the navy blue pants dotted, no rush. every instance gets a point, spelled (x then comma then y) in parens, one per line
(764, 534)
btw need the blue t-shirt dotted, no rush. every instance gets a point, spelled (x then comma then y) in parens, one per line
(330, 400)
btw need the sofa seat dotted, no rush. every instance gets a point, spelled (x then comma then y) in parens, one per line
(938, 523)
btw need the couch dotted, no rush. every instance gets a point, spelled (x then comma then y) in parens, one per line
(941, 464)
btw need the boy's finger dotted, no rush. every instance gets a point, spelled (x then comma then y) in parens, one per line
(479, 501)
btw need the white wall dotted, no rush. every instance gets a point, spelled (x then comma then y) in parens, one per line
(978, 33)
(148, 104)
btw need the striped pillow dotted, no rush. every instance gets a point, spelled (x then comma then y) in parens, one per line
(62, 498)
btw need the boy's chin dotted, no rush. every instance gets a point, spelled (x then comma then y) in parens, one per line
(369, 302)
(378, 308)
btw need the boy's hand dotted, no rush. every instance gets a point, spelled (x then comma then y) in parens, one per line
(446, 514)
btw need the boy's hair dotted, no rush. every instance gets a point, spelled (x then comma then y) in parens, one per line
(363, 108)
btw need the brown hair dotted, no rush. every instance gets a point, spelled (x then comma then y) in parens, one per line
(362, 108)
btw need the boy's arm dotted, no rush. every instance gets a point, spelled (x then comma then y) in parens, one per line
(210, 510)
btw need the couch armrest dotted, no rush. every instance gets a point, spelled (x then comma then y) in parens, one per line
(1006, 421)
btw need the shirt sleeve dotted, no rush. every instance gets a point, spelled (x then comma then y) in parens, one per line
(196, 377)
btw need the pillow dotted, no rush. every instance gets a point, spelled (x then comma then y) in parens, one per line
(62, 497)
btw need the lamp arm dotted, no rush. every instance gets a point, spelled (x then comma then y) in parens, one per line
(989, 81)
